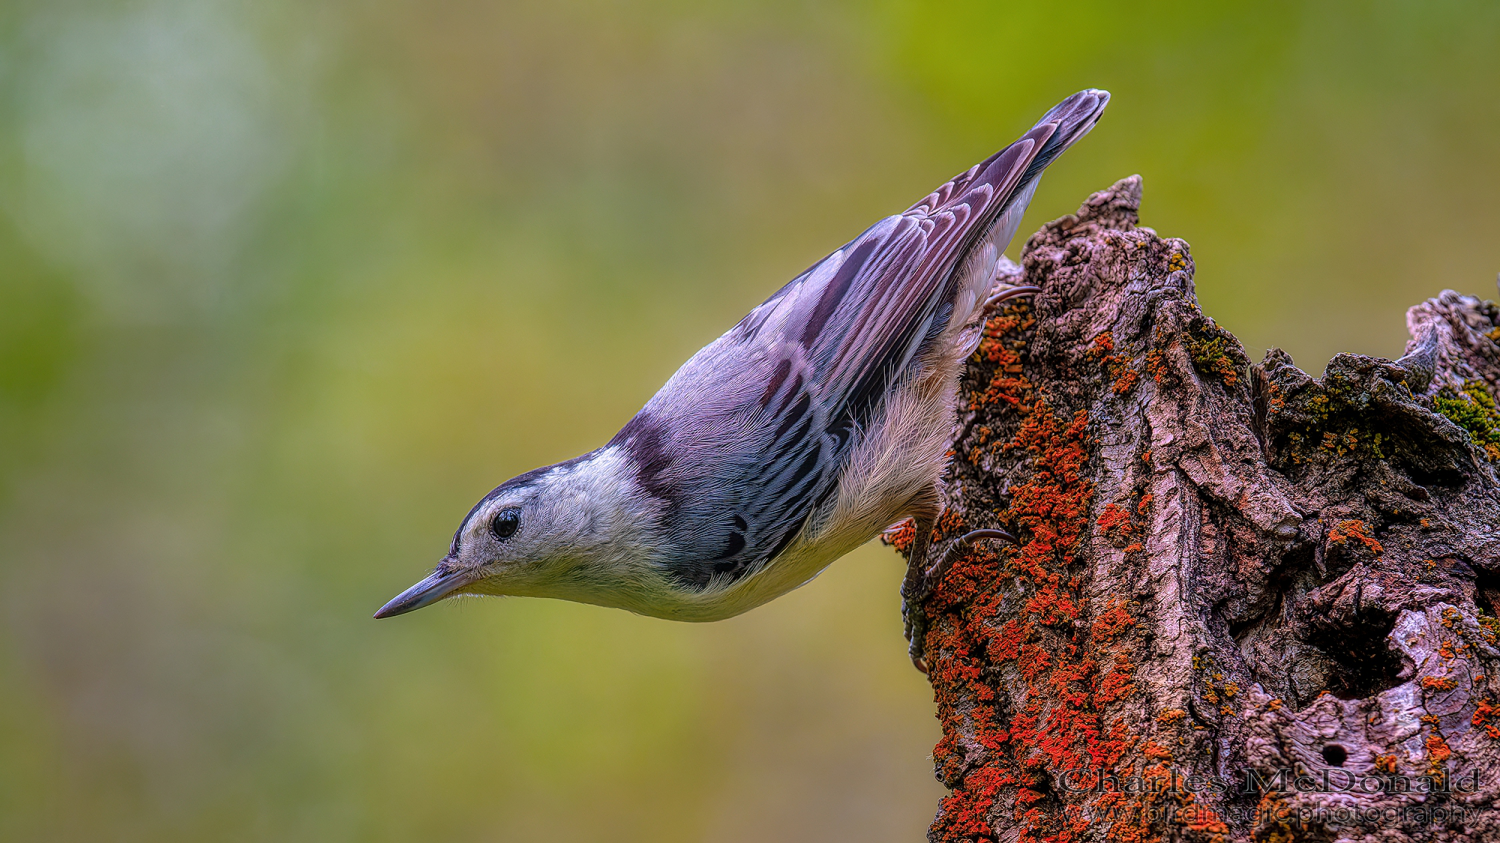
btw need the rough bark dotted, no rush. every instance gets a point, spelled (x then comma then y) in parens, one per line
(1247, 604)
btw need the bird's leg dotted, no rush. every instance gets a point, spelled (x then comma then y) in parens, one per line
(1000, 296)
(921, 579)
(916, 587)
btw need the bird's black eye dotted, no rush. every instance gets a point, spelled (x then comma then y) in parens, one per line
(505, 523)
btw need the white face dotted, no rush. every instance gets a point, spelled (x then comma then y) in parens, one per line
(510, 543)
(563, 531)
(518, 542)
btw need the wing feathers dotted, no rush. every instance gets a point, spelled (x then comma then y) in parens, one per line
(830, 344)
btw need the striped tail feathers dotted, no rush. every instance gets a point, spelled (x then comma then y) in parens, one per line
(1071, 119)
(1058, 129)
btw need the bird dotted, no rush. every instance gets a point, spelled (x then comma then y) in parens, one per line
(817, 422)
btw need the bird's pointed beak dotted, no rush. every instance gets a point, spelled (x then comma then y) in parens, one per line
(441, 583)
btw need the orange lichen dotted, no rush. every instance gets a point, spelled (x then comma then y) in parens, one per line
(1023, 612)
(1114, 519)
(1204, 821)
(901, 536)
(949, 524)
(1356, 531)
(1216, 690)
(1275, 401)
(1117, 366)
(1487, 717)
(1118, 683)
(1274, 819)
(1006, 642)
(1156, 367)
(1437, 749)
(1438, 683)
(1112, 621)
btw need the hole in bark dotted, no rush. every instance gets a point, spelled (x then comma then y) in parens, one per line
(1045, 793)
(1487, 592)
(1335, 755)
(1426, 470)
(1363, 663)
(1237, 628)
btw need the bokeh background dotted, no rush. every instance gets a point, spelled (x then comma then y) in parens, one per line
(286, 286)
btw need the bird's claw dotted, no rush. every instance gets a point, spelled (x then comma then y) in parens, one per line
(918, 587)
(999, 297)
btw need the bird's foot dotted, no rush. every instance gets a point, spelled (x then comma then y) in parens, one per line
(920, 582)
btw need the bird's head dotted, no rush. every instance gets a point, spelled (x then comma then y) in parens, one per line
(534, 535)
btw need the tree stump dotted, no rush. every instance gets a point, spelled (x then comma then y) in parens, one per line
(1246, 603)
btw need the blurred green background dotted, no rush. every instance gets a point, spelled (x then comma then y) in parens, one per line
(285, 287)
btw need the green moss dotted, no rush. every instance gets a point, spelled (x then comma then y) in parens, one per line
(1473, 409)
(1490, 624)
(1211, 356)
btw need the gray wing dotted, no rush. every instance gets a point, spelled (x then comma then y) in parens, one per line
(750, 436)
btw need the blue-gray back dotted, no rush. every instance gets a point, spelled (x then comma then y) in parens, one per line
(751, 434)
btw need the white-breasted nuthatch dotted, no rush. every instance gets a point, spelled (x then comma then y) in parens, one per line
(818, 421)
